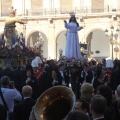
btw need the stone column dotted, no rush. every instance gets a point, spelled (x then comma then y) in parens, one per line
(89, 45)
(18, 4)
(1, 8)
(51, 42)
(27, 6)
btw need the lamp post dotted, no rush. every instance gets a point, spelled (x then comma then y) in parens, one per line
(112, 36)
(60, 52)
(116, 49)
(39, 44)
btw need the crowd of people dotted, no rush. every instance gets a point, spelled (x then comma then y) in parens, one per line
(96, 85)
(96, 88)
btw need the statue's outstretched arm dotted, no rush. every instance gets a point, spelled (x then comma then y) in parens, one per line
(20, 21)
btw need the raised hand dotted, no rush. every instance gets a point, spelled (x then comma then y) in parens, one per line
(65, 21)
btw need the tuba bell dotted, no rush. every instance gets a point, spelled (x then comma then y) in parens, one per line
(54, 104)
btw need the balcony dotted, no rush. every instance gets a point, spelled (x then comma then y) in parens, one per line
(63, 11)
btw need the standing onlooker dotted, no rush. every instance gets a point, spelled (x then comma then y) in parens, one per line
(7, 71)
(86, 74)
(31, 81)
(77, 115)
(3, 112)
(56, 78)
(117, 102)
(10, 95)
(45, 80)
(98, 106)
(87, 91)
(82, 105)
(106, 92)
(64, 74)
(22, 110)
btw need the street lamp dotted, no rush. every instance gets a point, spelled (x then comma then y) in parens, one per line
(116, 49)
(112, 36)
(39, 44)
(60, 52)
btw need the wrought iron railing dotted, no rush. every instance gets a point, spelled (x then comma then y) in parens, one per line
(39, 12)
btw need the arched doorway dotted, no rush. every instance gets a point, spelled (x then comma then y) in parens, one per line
(98, 44)
(61, 43)
(33, 39)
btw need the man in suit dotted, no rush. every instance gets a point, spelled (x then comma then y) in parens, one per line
(64, 74)
(116, 103)
(3, 112)
(77, 115)
(45, 80)
(7, 72)
(98, 106)
(22, 110)
(86, 74)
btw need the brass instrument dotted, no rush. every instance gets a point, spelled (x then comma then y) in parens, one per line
(54, 104)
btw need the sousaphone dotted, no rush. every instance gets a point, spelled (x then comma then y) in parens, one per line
(54, 104)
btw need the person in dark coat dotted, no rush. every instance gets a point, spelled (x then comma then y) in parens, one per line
(56, 78)
(45, 80)
(98, 106)
(116, 103)
(22, 110)
(77, 115)
(17, 78)
(3, 112)
(106, 91)
(64, 74)
(7, 72)
(31, 81)
(86, 74)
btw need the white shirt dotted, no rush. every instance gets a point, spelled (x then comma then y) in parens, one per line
(98, 118)
(10, 95)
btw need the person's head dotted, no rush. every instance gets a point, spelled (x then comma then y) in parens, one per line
(46, 67)
(86, 67)
(106, 92)
(61, 67)
(98, 105)
(35, 68)
(5, 81)
(54, 74)
(103, 61)
(7, 66)
(27, 91)
(76, 115)
(118, 90)
(72, 19)
(87, 91)
(100, 74)
(12, 12)
(82, 105)
(29, 73)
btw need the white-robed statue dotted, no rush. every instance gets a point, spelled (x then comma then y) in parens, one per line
(72, 40)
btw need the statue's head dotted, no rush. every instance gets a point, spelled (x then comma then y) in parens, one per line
(12, 11)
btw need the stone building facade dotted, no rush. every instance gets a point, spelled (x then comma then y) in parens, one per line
(46, 17)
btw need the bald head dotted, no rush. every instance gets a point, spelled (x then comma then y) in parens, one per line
(27, 91)
(87, 91)
(118, 90)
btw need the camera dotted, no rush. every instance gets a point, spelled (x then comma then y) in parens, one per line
(12, 84)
